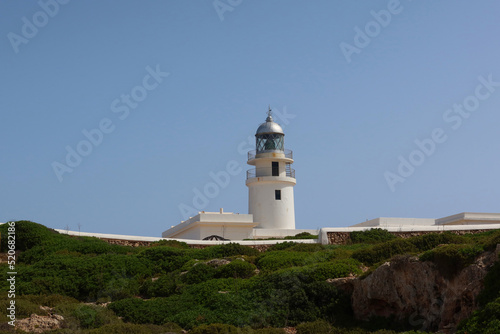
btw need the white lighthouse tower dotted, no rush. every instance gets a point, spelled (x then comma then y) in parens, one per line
(270, 183)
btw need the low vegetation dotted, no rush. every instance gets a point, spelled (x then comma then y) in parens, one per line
(170, 287)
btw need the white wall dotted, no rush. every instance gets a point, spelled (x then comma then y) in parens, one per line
(266, 210)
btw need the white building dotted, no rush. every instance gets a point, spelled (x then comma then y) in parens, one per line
(271, 208)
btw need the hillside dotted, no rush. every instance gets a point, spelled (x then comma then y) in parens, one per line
(85, 285)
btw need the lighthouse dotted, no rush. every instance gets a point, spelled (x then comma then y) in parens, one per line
(270, 183)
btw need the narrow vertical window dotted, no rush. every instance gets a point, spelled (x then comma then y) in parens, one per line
(276, 168)
(277, 194)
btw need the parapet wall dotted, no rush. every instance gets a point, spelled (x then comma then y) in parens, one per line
(139, 241)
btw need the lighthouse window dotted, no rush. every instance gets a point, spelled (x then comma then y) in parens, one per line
(276, 169)
(277, 194)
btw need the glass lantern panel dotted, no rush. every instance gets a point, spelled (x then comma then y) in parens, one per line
(270, 142)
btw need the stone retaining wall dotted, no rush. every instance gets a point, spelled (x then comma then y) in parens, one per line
(134, 243)
(342, 238)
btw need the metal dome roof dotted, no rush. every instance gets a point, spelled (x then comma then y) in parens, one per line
(269, 127)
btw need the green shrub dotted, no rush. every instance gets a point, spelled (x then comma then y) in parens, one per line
(164, 259)
(270, 261)
(170, 243)
(483, 321)
(204, 291)
(236, 269)
(310, 248)
(215, 329)
(84, 278)
(223, 251)
(38, 242)
(86, 316)
(334, 269)
(371, 236)
(492, 240)
(28, 235)
(163, 286)
(450, 259)
(429, 241)
(303, 235)
(136, 329)
(200, 272)
(50, 300)
(384, 251)
(316, 327)
(138, 311)
(491, 290)
(24, 308)
(269, 331)
(289, 297)
(281, 246)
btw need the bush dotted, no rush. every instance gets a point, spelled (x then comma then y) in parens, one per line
(334, 269)
(450, 259)
(136, 329)
(429, 241)
(371, 236)
(164, 286)
(281, 246)
(222, 251)
(303, 235)
(384, 251)
(215, 329)
(28, 235)
(310, 248)
(236, 269)
(484, 321)
(271, 261)
(170, 243)
(24, 308)
(50, 300)
(86, 316)
(84, 278)
(138, 311)
(493, 240)
(289, 297)
(270, 331)
(388, 249)
(200, 272)
(316, 327)
(164, 259)
(491, 290)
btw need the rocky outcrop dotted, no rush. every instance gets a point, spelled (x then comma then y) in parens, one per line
(415, 292)
(40, 323)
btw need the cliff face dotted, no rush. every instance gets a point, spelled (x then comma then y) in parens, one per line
(416, 293)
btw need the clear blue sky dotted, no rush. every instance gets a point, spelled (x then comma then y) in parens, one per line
(356, 112)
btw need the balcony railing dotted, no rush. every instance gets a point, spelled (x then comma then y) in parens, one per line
(268, 171)
(253, 153)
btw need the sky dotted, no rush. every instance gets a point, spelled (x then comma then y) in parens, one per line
(120, 116)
